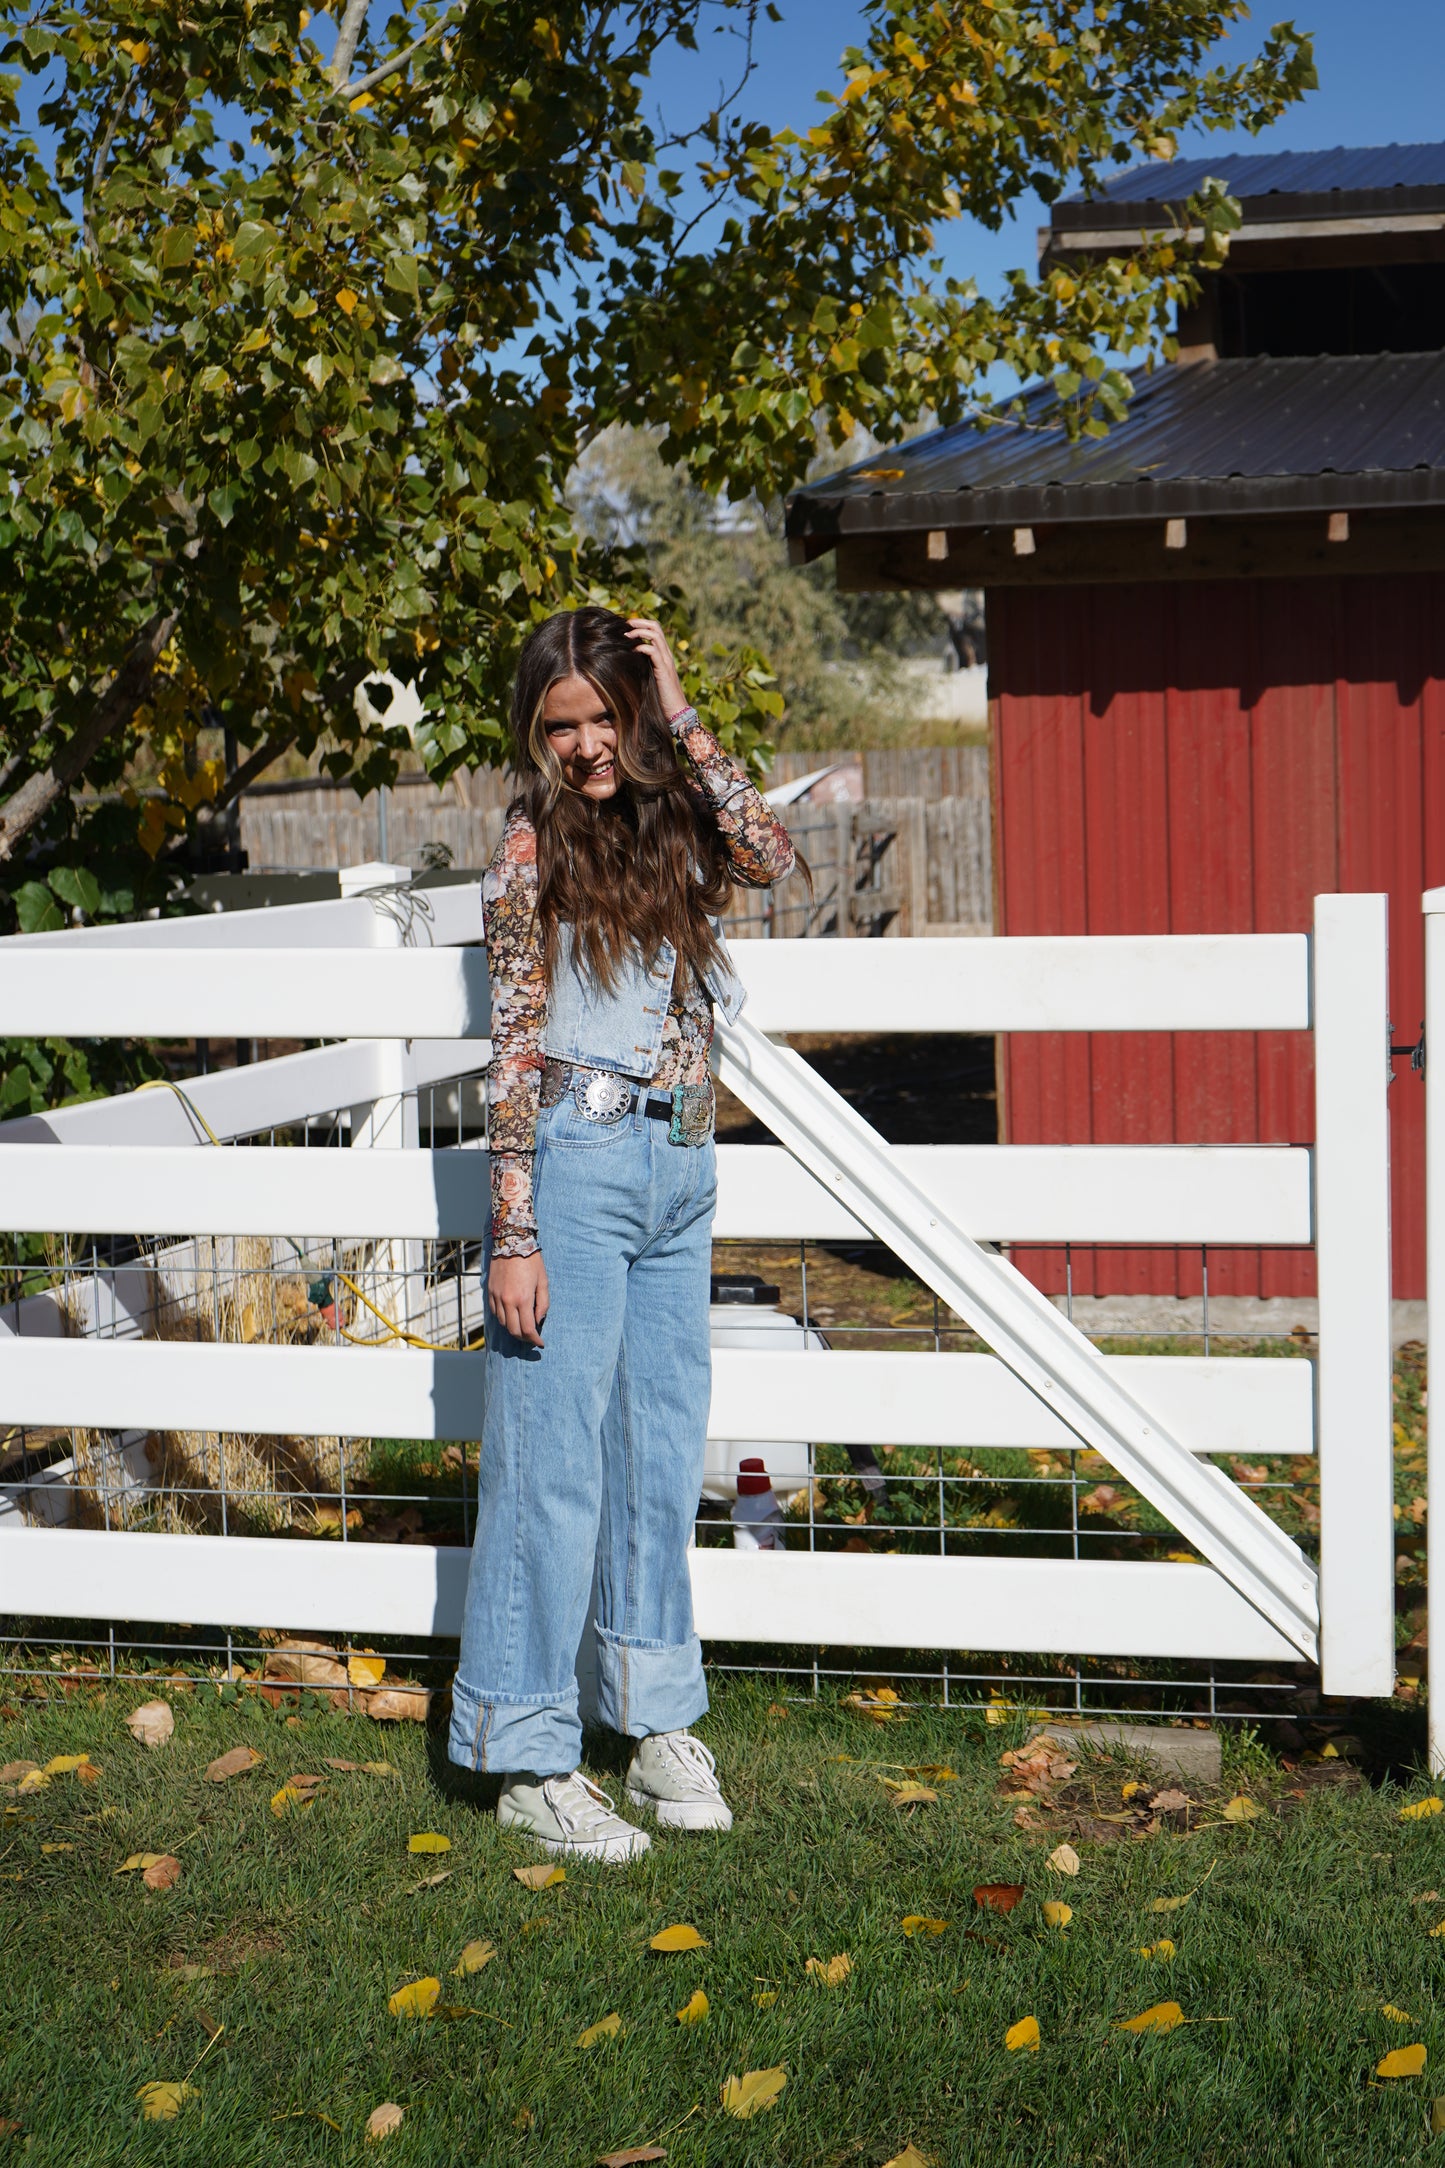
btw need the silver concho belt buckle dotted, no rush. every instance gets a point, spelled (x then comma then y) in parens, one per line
(601, 1097)
(692, 1114)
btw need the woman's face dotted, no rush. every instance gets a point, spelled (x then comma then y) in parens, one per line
(581, 728)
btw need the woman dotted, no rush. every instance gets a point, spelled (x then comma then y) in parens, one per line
(600, 910)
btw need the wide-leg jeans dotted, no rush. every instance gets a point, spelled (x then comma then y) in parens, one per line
(592, 1454)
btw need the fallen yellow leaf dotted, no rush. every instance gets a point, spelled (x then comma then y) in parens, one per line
(1130, 1789)
(417, 1999)
(910, 2157)
(1241, 1809)
(1401, 2062)
(912, 1795)
(1440, 1930)
(833, 1972)
(1170, 1904)
(606, 2028)
(1023, 2035)
(1056, 1913)
(919, 1923)
(473, 1957)
(34, 1780)
(1400, 2017)
(365, 1670)
(1162, 2017)
(292, 1798)
(630, 2156)
(384, 2122)
(61, 1765)
(694, 2010)
(1162, 1949)
(1420, 1808)
(681, 1937)
(765, 1998)
(752, 2092)
(57, 1847)
(162, 2100)
(428, 1841)
(1063, 1859)
(140, 1860)
(152, 1723)
(541, 1877)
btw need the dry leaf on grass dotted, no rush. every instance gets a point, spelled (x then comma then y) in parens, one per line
(1241, 1809)
(765, 1998)
(1063, 1859)
(64, 1765)
(363, 1768)
(910, 2157)
(1172, 1802)
(384, 2122)
(162, 2100)
(1171, 1904)
(833, 1971)
(162, 1873)
(238, 1763)
(1161, 2017)
(1401, 2062)
(606, 2028)
(398, 1703)
(34, 1780)
(681, 1937)
(919, 1923)
(1023, 2035)
(752, 2092)
(997, 1896)
(631, 2156)
(1420, 1808)
(695, 2009)
(57, 1847)
(430, 1881)
(1057, 1913)
(427, 1840)
(152, 1723)
(473, 1957)
(1398, 2016)
(881, 1705)
(365, 1670)
(14, 1772)
(912, 1795)
(1162, 1950)
(141, 1862)
(539, 1877)
(295, 1795)
(418, 1998)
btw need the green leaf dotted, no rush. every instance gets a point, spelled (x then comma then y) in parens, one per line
(402, 276)
(178, 246)
(35, 909)
(75, 886)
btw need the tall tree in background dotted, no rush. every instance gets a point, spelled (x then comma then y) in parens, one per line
(300, 338)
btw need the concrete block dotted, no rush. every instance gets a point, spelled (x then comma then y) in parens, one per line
(1179, 1750)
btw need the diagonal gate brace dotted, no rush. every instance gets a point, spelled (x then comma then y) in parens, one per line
(1033, 1339)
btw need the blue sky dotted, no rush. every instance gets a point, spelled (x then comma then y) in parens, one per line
(1381, 68)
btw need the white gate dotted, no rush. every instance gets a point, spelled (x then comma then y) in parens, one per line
(382, 974)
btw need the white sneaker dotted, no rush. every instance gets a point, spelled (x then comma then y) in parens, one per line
(572, 1816)
(675, 1777)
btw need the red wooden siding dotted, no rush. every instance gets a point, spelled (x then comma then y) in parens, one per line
(1208, 759)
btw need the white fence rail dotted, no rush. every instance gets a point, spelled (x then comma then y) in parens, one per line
(383, 975)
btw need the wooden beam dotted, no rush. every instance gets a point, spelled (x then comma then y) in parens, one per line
(1286, 546)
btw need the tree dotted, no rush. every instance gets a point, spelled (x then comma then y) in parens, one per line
(298, 351)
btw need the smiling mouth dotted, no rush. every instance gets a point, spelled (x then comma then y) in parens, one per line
(603, 769)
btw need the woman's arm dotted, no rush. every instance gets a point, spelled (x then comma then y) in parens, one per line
(517, 1282)
(760, 850)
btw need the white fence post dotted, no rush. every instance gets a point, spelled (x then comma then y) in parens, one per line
(1434, 903)
(1352, 1248)
(390, 1122)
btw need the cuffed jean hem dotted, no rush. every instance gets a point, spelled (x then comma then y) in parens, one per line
(541, 1734)
(648, 1686)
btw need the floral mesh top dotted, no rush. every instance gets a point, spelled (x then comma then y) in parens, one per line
(760, 851)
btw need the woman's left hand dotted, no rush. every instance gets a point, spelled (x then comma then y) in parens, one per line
(651, 640)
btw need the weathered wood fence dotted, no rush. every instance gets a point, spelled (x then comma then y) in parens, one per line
(906, 852)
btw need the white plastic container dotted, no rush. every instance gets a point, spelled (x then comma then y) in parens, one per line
(745, 1313)
(757, 1517)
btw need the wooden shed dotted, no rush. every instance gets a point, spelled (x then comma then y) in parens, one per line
(1216, 649)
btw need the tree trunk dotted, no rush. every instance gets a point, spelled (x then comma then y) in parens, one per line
(111, 712)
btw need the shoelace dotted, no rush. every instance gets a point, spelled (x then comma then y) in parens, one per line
(698, 1764)
(579, 1806)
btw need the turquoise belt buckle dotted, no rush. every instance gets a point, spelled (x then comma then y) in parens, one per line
(692, 1114)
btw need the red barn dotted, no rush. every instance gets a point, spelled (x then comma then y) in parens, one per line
(1216, 650)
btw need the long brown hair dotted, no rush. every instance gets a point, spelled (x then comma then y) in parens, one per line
(632, 871)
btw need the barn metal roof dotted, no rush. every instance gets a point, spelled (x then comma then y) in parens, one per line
(1334, 432)
(1290, 173)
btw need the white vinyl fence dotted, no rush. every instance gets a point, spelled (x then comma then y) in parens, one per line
(389, 978)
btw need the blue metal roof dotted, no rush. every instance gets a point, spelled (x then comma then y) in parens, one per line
(1258, 435)
(1250, 174)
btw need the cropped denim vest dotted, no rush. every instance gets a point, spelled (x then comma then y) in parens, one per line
(622, 1030)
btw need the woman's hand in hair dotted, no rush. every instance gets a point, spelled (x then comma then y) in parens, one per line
(517, 1295)
(650, 640)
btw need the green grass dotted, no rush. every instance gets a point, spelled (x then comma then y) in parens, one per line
(1306, 1924)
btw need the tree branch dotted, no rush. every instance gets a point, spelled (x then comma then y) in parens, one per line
(399, 60)
(348, 37)
(111, 712)
(255, 764)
